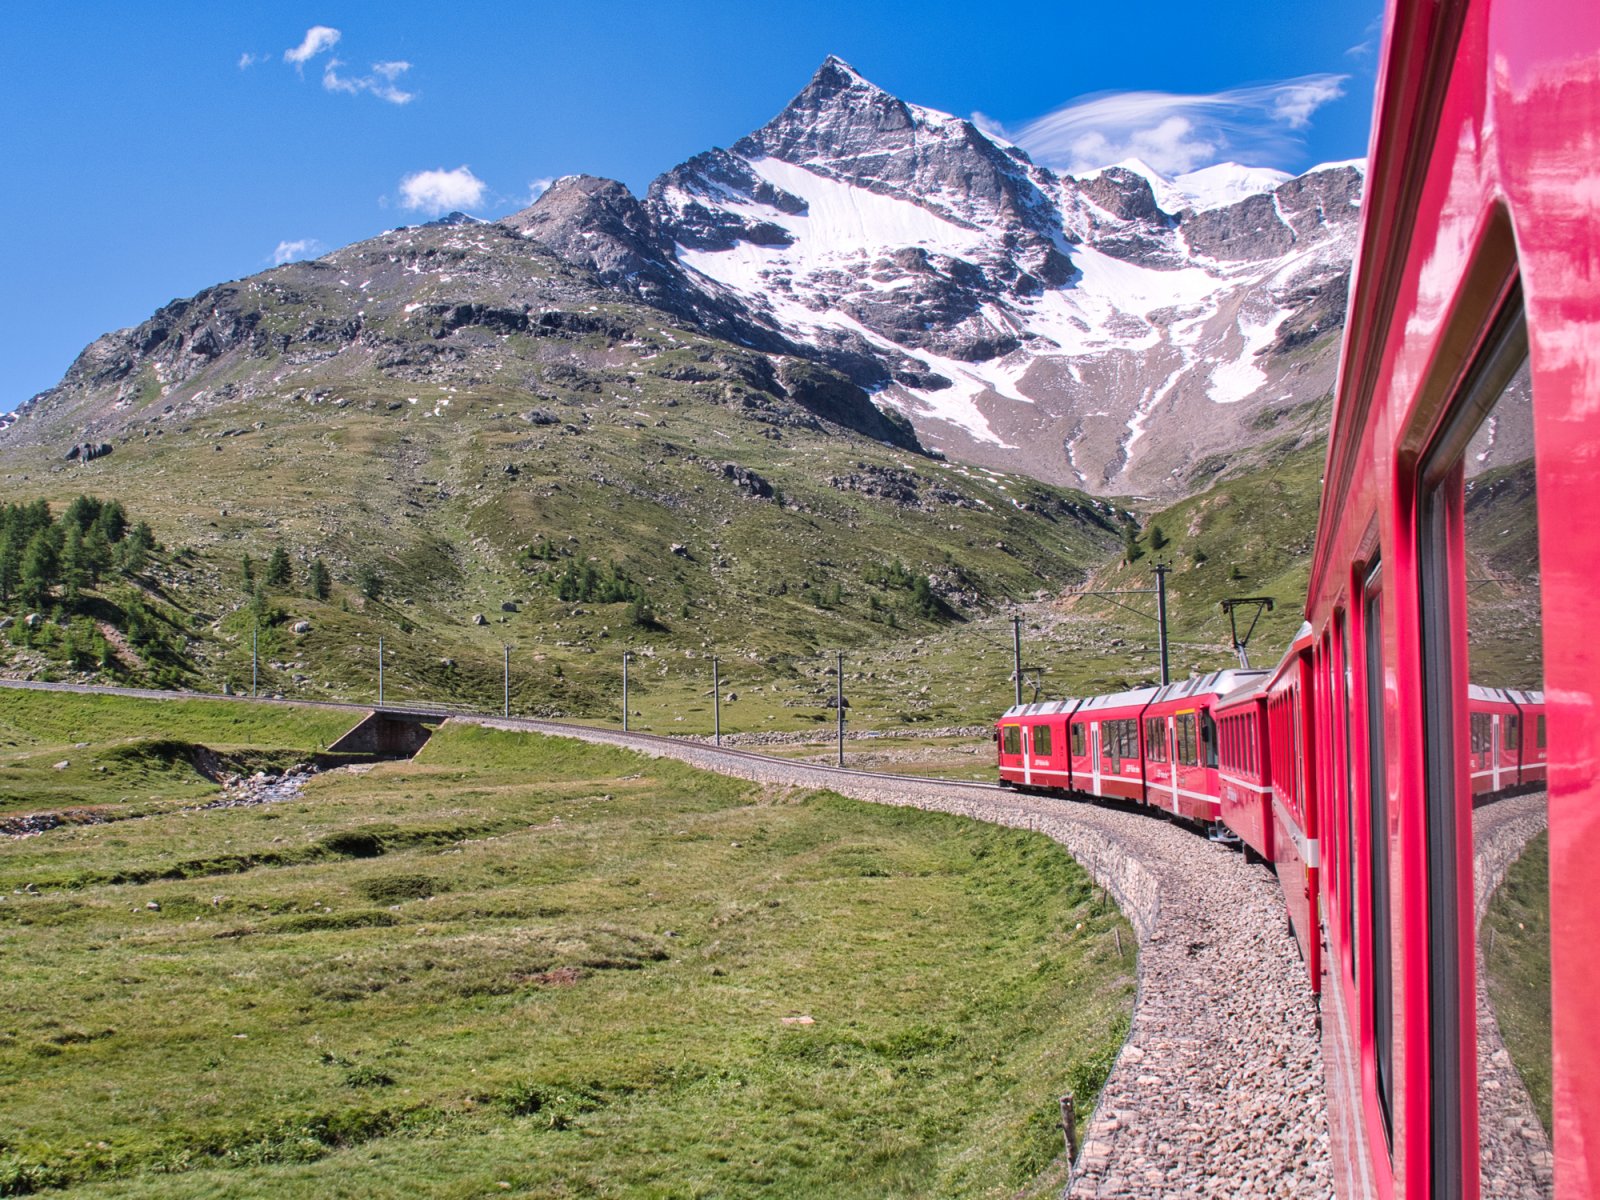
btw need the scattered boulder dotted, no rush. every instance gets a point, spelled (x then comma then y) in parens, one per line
(479, 619)
(301, 627)
(63, 764)
(88, 451)
(680, 549)
(33, 620)
(7, 622)
(509, 606)
(730, 697)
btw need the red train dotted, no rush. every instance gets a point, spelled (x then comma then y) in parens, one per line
(1420, 768)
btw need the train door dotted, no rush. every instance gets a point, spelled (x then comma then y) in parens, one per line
(1094, 756)
(1170, 738)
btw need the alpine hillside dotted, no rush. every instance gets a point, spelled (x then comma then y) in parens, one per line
(869, 369)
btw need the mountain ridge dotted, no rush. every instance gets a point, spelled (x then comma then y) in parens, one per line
(1075, 328)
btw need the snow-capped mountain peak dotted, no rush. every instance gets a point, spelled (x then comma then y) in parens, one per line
(1014, 314)
(1227, 183)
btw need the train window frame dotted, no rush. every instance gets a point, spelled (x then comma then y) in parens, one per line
(1380, 906)
(1041, 741)
(1011, 739)
(1439, 483)
(1076, 738)
(1341, 620)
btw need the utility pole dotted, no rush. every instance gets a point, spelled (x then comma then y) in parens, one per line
(255, 632)
(716, 700)
(1016, 657)
(380, 672)
(839, 705)
(625, 691)
(1161, 618)
(507, 650)
(1160, 593)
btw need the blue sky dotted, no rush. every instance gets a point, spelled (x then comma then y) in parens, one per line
(153, 150)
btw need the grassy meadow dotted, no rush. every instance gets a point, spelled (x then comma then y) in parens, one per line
(529, 966)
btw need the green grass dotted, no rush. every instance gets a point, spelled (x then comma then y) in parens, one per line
(121, 751)
(540, 963)
(1515, 939)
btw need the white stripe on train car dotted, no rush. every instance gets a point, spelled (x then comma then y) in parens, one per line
(1310, 851)
(1259, 789)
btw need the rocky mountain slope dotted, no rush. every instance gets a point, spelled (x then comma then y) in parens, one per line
(1118, 332)
(1113, 332)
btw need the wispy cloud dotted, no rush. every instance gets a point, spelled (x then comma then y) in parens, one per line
(247, 60)
(299, 248)
(318, 38)
(440, 191)
(1173, 133)
(381, 81)
(539, 187)
(1369, 38)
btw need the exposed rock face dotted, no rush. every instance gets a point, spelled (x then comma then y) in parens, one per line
(1108, 331)
(1113, 332)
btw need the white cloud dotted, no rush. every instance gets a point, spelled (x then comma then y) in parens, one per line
(539, 187)
(440, 191)
(299, 248)
(247, 60)
(318, 38)
(381, 82)
(1176, 133)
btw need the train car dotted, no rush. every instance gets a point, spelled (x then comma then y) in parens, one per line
(1292, 788)
(1155, 745)
(1112, 739)
(1181, 745)
(1456, 546)
(1034, 747)
(1244, 794)
(1506, 736)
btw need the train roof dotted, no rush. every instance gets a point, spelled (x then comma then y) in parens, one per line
(1213, 683)
(1517, 696)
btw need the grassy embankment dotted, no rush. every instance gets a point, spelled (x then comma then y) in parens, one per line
(529, 966)
(1515, 937)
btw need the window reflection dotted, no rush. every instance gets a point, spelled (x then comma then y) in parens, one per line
(1506, 756)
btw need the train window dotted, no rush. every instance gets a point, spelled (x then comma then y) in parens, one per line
(1155, 740)
(1539, 735)
(1486, 810)
(1011, 739)
(1349, 794)
(1041, 740)
(1185, 738)
(1077, 741)
(1208, 738)
(1379, 932)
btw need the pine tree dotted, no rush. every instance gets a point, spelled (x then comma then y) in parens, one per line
(96, 553)
(82, 512)
(278, 570)
(248, 569)
(112, 521)
(318, 581)
(40, 563)
(73, 568)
